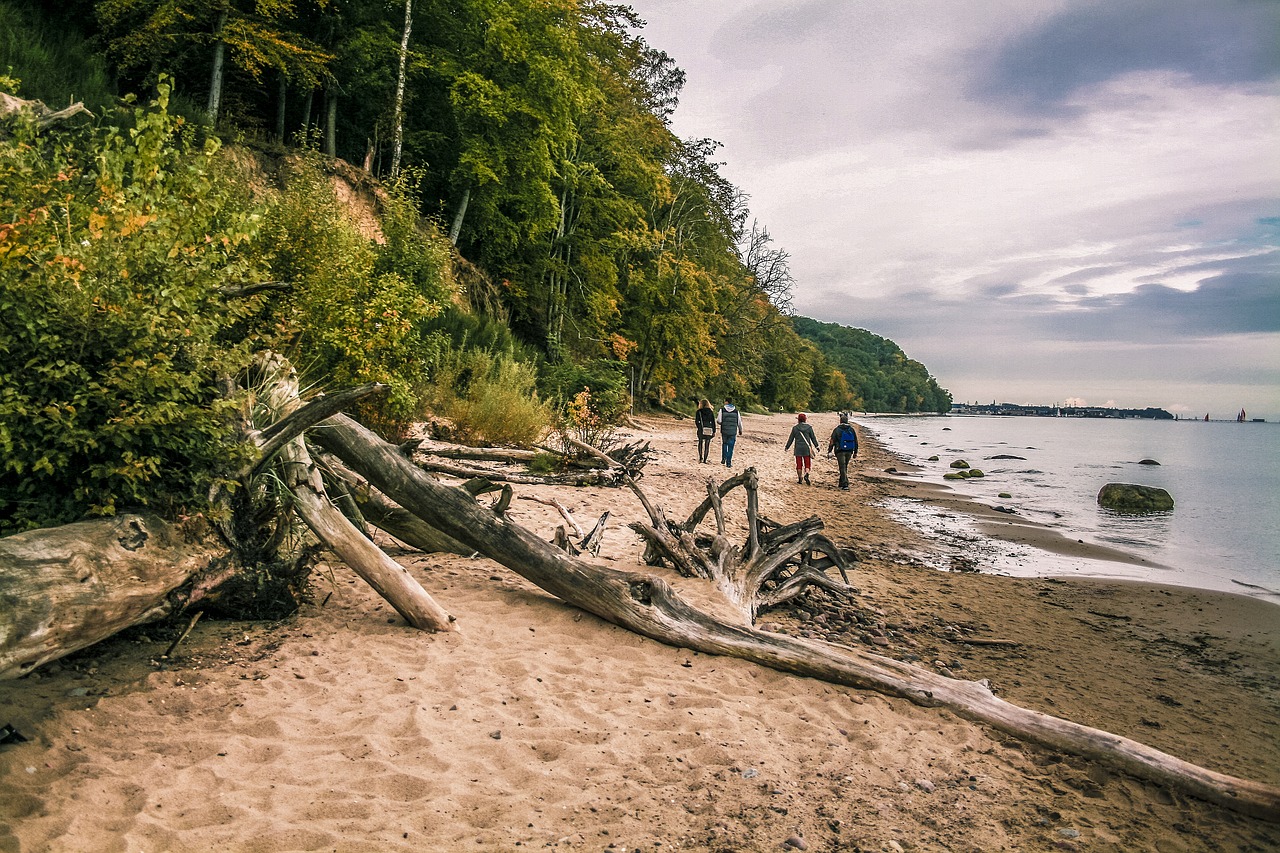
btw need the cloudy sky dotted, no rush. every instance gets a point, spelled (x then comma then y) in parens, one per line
(1041, 200)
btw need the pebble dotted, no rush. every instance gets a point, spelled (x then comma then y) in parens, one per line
(925, 785)
(496, 735)
(795, 842)
(1068, 832)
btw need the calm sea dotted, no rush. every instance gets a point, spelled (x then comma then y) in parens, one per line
(1223, 532)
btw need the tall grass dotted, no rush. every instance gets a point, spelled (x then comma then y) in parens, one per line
(51, 61)
(491, 397)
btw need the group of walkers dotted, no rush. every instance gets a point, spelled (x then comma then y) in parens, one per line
(727, 421)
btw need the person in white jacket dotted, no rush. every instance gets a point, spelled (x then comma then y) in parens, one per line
(730, 421)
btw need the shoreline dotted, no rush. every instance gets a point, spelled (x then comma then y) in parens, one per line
(538, 725)
(1080, 559)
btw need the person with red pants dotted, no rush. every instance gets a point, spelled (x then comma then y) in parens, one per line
(806, 443)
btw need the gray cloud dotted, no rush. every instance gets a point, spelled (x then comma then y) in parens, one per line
(1216, 42)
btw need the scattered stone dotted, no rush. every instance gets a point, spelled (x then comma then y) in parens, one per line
(1129, 497)
(959, 463)
(933, 458)
(496, 735)
(1007, 456)
(925, 785)
(1004, 495)
(795, 842)
(1068, 832)
(1148, 462)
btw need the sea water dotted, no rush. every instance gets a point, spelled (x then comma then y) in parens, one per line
(1223, 532)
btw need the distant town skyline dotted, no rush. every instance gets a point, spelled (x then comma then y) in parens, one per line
(1037, 199)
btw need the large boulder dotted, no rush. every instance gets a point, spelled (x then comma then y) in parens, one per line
(1127, 497)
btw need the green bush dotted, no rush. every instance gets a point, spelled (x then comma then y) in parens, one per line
(609, 399)
(490, 397)
(116, 249)
(356, 309)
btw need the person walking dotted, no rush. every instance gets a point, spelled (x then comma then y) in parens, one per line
(730, 421)
(806, 444)
(704, 422)
(844, 441)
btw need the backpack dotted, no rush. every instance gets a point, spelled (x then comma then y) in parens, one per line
(848, 439)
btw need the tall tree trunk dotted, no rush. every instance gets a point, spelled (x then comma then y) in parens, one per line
(306, 111)
(331, 120)
(456, 228)
(282, 93)
(398, 143)
(215, 79)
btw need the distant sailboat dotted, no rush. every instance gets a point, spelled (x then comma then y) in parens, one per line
(1240, 418)
(1206, 418)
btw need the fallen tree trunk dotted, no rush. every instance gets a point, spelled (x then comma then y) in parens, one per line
(594, 477)
(390, 579)
(65, 588)
(647, 605)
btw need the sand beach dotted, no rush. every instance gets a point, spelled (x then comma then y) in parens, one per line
(538, 726)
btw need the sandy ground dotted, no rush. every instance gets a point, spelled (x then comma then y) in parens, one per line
(540, 726)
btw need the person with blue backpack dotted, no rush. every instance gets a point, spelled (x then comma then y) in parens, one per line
(844, 442)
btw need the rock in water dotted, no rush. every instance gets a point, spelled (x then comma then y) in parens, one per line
(1127, 497)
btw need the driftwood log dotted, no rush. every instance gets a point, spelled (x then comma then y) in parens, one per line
(65, 588)
(648, 605)
(39, 113)
(391, 580)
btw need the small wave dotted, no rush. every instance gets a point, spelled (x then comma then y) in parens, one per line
(1267, 590)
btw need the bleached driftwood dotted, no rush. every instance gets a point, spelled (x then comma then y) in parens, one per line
(42, 115)
(65, 588)
(646, 604)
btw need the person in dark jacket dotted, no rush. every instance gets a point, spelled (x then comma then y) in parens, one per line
(844, 441)
(730, 421)
(806, 444)
(704, 423)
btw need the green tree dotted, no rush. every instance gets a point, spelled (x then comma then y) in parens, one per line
(152, 37)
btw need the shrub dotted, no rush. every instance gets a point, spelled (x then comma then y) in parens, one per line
(606, 380)
(356, 309)
(116, 250)
(581, 420)
(491, 398)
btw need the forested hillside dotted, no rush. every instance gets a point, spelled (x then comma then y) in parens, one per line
(882, 377)
(540, 230)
